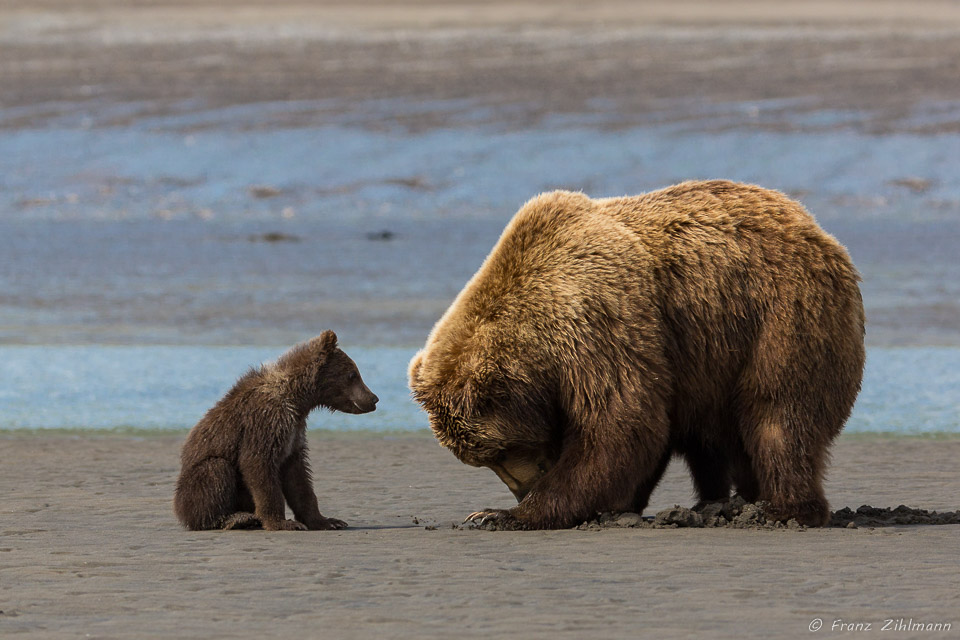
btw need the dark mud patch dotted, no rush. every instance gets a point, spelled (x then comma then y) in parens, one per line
(262, 192)
(739, 514)
(914, 184)
(417, 183)
(383, 235)
(273, 236)
(734, 514)
(867, 516)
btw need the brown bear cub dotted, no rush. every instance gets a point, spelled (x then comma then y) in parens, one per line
(711, 320)
(249, 452)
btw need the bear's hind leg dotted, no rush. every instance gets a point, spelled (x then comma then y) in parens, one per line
(709, 469)
(243, 517)
(641, 498)
(206, 494)
(244, 499)
(788, 469)
(744, 478)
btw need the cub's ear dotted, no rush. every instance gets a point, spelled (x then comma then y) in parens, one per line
(327, 341)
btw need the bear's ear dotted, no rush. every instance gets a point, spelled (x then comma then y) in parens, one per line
(327, 341)
(476, 385)
(413, 372)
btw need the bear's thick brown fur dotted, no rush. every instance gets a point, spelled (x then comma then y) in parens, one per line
(712, 320)
(249, 452)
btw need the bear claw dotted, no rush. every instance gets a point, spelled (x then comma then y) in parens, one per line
(496, 519)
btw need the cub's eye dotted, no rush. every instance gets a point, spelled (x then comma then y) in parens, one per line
(542, 469)
(353, 376)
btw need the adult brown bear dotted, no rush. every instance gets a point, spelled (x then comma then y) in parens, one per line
(712, 320)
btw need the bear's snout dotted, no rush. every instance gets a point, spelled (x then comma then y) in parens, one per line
(365, 401)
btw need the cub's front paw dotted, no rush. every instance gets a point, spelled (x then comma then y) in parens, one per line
(495, 520)
(284, 525)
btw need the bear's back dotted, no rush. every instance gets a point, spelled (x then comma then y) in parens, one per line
(718, 244)
(248, 406)
(701, 268)
(560, 242)
(744, 274)
(699, 214)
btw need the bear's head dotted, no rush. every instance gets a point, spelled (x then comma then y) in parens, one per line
(488, 416)
(327, 376)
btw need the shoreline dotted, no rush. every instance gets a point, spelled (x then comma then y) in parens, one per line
(143, 433)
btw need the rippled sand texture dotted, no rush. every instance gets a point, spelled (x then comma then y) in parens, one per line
(89, 545)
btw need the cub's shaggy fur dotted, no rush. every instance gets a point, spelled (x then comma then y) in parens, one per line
(713, 320)
(249, 452)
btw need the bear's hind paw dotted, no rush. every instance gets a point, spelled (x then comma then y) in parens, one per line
(241, 520)
(284, 525)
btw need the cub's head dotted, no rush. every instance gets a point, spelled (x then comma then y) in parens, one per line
(330, 378)
(488, 417)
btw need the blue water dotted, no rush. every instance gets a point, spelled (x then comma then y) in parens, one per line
(150, 237)
(905, 390)
(336, 172)
(147, 233)
(155, 387)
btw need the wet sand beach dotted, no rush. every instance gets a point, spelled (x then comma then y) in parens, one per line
(89, 547)
(635, 59)
(199, 173)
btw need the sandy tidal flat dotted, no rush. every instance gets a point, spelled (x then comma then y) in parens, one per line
(89, 547)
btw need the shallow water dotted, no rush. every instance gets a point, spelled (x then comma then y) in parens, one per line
(905, 390)
(203, 165)
(168, 235)
(196, 229)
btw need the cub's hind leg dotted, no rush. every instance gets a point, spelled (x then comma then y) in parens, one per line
(242, 520)
(243, 517)
(206, 494)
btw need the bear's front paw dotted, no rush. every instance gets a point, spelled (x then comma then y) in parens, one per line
(327, 524)
(495, 520)
(284, 525)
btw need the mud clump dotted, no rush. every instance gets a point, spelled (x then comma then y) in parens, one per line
(867, 516)
(678, 517)
(737, 513)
